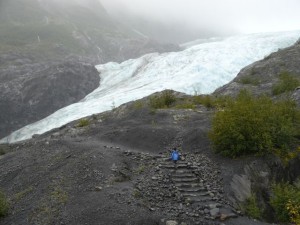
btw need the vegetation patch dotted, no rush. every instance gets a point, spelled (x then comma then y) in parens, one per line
(165, 100)
(287, 82)
(83, 123)
(286, 203)
(138, 104)
(248, 80)
(59, 195)
(136, 194)
(206, 100)
(140, 169)
(250, 125)
(23, 193)
(185, 105)
(2, 151)
(4, 205)
(252, 209)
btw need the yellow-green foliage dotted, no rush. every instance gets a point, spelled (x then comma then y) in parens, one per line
(250, 125)
(252, 209)
(4, 206)
(287, 82)
(59, 195)
(163, 101)
(138, 104)
(83, 123)
(286, 203)
(205, 100)
(186, 105)
(23, 193)
(294, 211)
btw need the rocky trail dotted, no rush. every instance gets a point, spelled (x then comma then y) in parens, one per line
(189, 192)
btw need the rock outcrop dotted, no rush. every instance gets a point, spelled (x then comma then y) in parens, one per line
(30, 92)
(260, 76)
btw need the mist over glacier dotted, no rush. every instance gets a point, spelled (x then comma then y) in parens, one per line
(200, 69)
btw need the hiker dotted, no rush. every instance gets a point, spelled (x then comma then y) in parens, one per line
(175, 155)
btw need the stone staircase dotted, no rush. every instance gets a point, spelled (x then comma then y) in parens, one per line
(200, 198)
(184, 178)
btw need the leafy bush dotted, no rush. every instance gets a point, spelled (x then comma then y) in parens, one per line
(287, 82)
(250, 125)
(252, 209)
(286, 202)
(206, 100)
(163, 101)
(83, 123)
(4, 206)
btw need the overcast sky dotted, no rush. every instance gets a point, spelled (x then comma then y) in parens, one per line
(245, 16)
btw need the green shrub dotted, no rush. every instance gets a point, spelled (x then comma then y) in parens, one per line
(287, 82)
(250, 125)
(206, 100)
(4, 206)
(185, 106)
(165, 100)
(138, 104)
(252, 209)
(284, 200)
(83, 123)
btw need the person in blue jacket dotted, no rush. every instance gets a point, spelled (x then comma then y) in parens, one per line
(175, 155)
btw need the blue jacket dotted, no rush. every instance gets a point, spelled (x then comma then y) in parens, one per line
(175, 155)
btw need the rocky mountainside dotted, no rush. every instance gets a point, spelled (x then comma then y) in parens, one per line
(47, 29)
(114, 169)
(261, 76)
(48, 50)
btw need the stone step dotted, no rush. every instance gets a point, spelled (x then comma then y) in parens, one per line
(192, 189)
(199, 199)
(183, 180)
(195, 194)
(188, 185)
(183, 175)
(173, 166)
(183, 170)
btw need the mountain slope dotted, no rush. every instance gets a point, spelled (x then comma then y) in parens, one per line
(115, 170)
(262, 76)
(48, 50)
(54, 29)
(201, 69)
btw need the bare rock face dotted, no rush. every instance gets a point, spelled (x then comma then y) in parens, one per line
(30, 92)
(260, 76)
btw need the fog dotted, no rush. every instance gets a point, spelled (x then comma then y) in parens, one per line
(245, 16)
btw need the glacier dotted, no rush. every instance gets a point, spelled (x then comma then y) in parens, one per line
(199, 69)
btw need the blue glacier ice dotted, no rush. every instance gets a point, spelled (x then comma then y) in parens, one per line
(200, 68)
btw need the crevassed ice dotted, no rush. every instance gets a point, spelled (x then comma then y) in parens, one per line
(198, 69)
